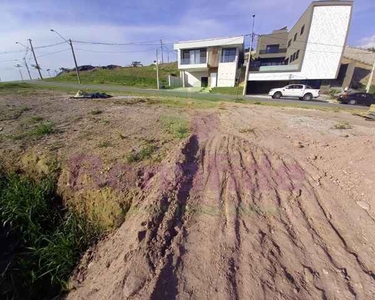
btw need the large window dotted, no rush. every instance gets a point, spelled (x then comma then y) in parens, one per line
(272, 48)
(228, 55)
(194, 56)
(302, 29)
(289, 43)
(295, 37)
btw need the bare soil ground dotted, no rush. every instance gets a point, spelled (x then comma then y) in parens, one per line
(257, 203)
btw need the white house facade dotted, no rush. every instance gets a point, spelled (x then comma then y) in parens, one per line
(211, 62)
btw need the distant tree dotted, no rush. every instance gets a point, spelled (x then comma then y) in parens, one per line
(136, 64)
(372, 49)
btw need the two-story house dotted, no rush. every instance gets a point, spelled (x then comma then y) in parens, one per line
(210, 62)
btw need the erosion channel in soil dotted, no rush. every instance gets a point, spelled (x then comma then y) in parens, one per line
(225, 218)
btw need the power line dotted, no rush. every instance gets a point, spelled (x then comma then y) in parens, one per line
(7, 61)
(51, 45)
(149, 43)
(87, 50)
(51, 53)
(7, 52)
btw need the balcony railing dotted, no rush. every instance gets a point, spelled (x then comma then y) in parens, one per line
(273, 51)
(197, 60)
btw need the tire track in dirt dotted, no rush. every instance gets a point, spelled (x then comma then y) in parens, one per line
(227, 219)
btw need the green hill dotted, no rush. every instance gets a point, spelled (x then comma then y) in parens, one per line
(128, 76)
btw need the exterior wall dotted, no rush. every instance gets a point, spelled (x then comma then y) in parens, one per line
(326, 40)
(227, 72)
(276, 38)
(193, 79)
(300, 43)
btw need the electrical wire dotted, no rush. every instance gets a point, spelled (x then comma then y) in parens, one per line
(48, 46)
(7, 61)
(88, 50)
(149, 43)
(51, 53)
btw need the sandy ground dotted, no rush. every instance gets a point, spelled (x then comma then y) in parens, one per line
(258, 203)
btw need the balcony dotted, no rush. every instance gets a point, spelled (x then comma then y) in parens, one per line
(274, 68)
(273, 51)
(194, 61)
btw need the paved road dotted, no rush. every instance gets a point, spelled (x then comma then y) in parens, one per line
(203, 96)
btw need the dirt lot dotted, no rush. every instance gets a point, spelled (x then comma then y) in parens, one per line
(255, 203)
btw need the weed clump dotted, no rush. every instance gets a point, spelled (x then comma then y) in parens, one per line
(177, 126)
(342, 126)
(146, 152)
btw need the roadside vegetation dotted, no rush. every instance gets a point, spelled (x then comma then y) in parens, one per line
(41, 241)
(236, 91)
(127, 76)
(177, 126)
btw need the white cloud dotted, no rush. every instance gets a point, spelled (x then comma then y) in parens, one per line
(368, 42)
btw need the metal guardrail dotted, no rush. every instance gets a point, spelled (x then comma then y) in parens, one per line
(282, 50)
(197, 60)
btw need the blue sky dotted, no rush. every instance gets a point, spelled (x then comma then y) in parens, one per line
(144, 20)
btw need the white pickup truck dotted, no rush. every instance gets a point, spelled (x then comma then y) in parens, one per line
(301, 91)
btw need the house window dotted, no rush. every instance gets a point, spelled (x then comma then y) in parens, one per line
(295, 37)
(289, 43)
(297, 54)
(291, 58)
(294, 56)
(302, 29)
(272, 48)
(195, 56)
(228, 55)
(286, 61)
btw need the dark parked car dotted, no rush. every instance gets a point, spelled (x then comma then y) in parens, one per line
(357, 98)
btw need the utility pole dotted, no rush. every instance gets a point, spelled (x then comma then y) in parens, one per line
(162, 53)
(157, 69)
(369, 83)
(19, 69)
(74, 55)
(27, 68)
(24, 59)
(75, 61)
(248, 60)
(36, 61)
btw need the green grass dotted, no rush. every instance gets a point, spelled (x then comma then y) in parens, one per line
(45, 241)
(42, 129)
(342, 126)
(237, 91)
(95, 112)
(177, 126)
(17, 88)
(35, 119)
(104, 144)
(146, 152)
(128, 76)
